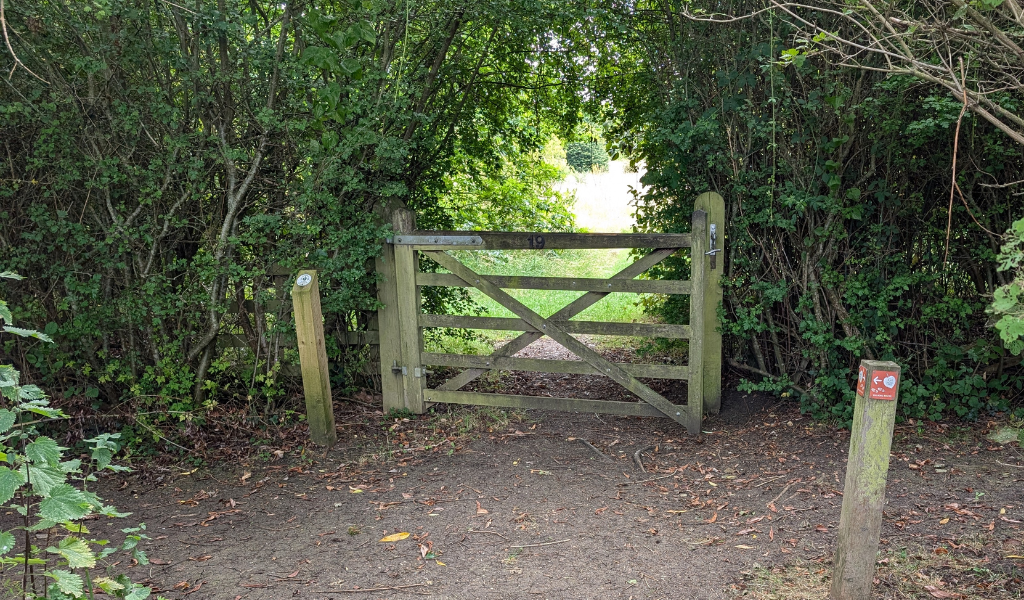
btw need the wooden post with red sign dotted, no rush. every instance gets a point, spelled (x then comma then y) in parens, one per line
(860, 521)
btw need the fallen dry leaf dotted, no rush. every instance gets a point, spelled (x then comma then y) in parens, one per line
(245, 476)
(713, 518)
(821, 528)
(743, 547)
(937, 593)
(394, 537)
(480, 510)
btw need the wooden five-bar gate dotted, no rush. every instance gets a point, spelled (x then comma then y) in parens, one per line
(401, 320)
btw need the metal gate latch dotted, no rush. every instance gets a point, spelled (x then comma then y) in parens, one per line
(713, 251)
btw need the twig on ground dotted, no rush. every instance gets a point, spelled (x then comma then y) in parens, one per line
(636, 458)
(594, 448)
(768, 480)
(781, 494)
(544, 544)
(655, 478)
(490, 532)
(376, 589)
(1009, 465)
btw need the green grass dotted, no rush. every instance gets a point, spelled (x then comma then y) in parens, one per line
(597, 264)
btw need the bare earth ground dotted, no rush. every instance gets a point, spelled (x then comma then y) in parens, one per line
(523, 508)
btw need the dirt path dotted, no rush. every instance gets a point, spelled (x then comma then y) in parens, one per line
(529, 510)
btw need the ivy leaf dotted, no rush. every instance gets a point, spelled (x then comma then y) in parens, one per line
(75, 551)
(64, 504)
(6, 542)
(10, 481)
(7, 419)
(43, 450)
(68, 582)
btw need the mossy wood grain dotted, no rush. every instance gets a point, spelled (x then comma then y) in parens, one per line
(662, 330)
(577, 367)
(860, 521)
(493, 240)
(572, 284)
(408, 302)
(316, 383)
(695, 389)
(714, 205)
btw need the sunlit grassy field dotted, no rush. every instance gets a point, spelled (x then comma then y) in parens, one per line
(602, 205)
(564, 263)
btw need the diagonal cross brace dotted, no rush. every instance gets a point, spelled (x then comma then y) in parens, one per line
(680, 414)
(569, 311)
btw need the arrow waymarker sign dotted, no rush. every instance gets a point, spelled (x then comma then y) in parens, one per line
(883, 384)
(861, 377)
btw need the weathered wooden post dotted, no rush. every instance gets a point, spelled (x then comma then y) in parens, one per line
(316, 383)
(410, 367)
(714, 264)
(698, 275)
(390, 336)
(864, 493)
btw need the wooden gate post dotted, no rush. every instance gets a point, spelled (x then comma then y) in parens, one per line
(695, 386)
(391, 385)
(316, 383)
(864, 493)
(410, 367)
(714, 205)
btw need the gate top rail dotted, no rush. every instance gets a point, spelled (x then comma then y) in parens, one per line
(500, 240)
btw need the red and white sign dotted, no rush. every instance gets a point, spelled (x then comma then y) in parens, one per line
(883, 385)
(860, 380)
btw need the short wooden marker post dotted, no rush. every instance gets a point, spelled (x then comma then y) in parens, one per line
(860, 522)
(316, 382)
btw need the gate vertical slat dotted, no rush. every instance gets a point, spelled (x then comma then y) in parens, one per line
(408, 301)
(698, 276)
(714, 205)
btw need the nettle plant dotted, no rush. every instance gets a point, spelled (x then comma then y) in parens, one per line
(49, 490)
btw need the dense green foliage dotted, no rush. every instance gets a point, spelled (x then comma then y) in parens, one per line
(837, 183)
(1008, 301)
(584, 157)
(173, 155)
(163, 164)
(49, 490)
